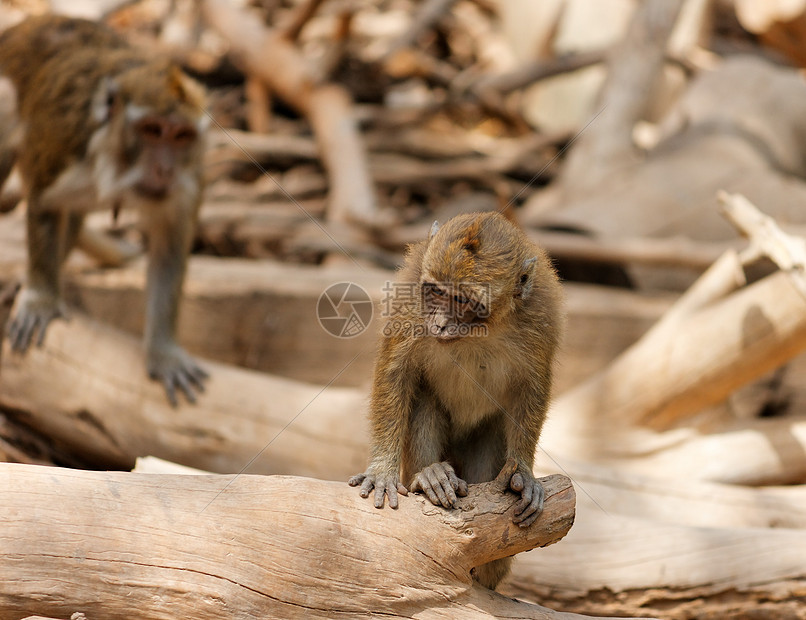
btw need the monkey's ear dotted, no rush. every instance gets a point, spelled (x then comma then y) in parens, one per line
(525, 278)
(184, 88)
(434, 229)
(105, 100)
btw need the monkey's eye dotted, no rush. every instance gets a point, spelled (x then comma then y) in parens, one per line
(461, 300)
(151, 129)
(433, 288)
(186, 135)
(524, 278)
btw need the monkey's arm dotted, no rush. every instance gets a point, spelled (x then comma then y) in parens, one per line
(169, 237)
(424, 470)
(50, 237)
(523, 425)
(393, 392)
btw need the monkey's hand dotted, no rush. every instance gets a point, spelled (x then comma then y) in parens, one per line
(36, 310)
(532, 495)
(171, 365)
(440, 484)
(384, 483)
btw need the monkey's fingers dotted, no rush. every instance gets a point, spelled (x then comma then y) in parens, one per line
(459, 485)
(391, 493)
(21, 331)
(197, 375)
(423, 486)
(185, 382)
(435, 482)
(168, 384)
(367, 485)
(531, 505)
(438, 477)
(354, 481)
(41, 325)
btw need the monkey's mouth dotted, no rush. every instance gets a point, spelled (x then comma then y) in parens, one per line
(150, 192)
(448, 333)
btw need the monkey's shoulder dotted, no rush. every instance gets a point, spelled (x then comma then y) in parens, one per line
(28, 47)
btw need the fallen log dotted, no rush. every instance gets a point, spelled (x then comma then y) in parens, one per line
(713, 340)
(160, 546)
(245, 312)
(88, 391)
(618, 565)
(674, 373)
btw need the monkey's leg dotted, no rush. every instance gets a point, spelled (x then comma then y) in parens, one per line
(169, 237)
(490, 574)
(426, 451)
(51, 236)
(479, 456)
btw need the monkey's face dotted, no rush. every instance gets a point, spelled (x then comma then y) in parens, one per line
(155, 134)
(452, 311)
(164, 148)
(476, 272)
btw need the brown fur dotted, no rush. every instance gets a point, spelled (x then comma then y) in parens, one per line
(83, 97)
(473, 401)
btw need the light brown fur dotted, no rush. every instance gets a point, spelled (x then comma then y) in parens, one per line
(105, 126)
(448, 410)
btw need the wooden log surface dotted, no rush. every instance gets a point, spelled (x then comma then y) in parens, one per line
(612, 564)
(119, 544)
(673, 373)
(97, 396)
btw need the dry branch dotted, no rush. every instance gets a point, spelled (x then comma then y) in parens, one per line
(633, 69)
(673, 373)
(275, 60)
(527, 75)
(428, 14)
(160, 546)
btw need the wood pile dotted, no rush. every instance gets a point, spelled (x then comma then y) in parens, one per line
(670, 196)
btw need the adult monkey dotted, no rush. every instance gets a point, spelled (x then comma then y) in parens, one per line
(104, 126)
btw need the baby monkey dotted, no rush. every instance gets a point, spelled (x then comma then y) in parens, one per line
(463, 376)
(104, 126)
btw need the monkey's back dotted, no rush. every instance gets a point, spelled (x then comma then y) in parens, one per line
(28, 46)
